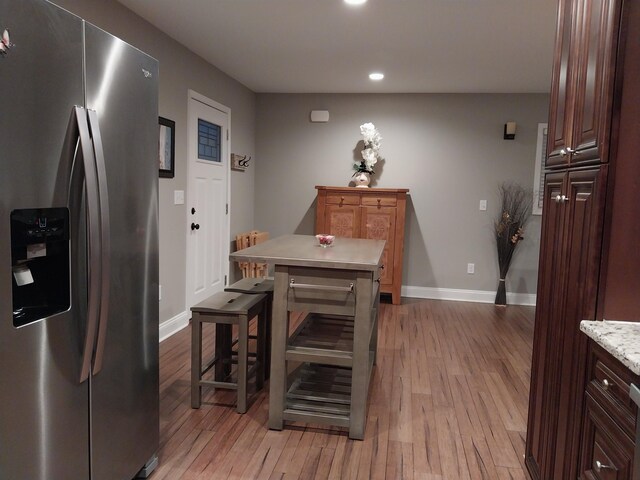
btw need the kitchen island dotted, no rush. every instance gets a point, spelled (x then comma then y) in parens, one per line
(320, 373)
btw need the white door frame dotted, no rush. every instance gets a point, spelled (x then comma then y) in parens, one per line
(226, 153)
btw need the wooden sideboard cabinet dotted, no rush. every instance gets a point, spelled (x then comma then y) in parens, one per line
(375, 213)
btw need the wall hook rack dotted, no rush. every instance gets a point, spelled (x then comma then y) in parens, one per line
(240, 162)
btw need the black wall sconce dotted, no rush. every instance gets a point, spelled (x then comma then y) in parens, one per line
(510, 130)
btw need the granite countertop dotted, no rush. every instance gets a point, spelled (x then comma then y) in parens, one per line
(620, 339)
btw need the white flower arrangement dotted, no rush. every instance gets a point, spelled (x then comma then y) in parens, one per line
(370, 154)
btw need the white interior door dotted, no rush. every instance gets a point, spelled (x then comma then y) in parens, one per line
(207, 198)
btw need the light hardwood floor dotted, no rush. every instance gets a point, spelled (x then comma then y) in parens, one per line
(448, 400)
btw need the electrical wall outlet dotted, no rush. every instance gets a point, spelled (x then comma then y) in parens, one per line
(159, 292)
(471, 268)
(483, 205)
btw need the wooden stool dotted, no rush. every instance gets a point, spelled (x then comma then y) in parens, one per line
(226, 309)
(256, 286)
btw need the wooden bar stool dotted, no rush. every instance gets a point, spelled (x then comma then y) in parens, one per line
(226, 309)
(257, 286)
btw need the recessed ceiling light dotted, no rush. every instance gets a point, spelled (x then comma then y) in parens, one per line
(376, 76)
(355, 2)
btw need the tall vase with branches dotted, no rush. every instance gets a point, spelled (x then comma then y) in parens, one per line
(514, 213)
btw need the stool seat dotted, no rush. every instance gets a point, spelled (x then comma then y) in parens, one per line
(225, 309)
(252, 286)
(229, 302)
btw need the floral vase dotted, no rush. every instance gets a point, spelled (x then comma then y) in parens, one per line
(501, 294)
(362, 179)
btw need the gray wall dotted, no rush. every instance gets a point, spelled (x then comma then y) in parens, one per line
(181, 70)
(447, 149)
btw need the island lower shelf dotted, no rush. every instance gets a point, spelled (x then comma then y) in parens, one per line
(320, 394)
(326, 339)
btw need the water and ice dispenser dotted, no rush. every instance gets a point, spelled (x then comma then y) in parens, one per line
(40, 263)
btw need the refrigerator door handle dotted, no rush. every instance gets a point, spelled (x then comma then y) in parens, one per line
(79, 129)
(105, 251)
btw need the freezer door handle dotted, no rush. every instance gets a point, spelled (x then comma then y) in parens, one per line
(105, 250)
(78, 129)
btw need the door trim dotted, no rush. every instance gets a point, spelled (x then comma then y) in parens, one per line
(192, 94)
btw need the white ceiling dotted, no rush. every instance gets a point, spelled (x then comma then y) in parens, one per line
(326, 46)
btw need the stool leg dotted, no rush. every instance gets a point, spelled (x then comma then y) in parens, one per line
(196, 360)
(219, 352)
(243, 336)
(227, 347)
(261, 347)
(267, 351)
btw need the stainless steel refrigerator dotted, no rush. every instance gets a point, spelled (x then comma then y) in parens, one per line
(78, 249)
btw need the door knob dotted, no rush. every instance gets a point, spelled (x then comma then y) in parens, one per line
(195, 226)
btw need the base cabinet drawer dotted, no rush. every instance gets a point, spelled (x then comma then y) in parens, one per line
(607, 451)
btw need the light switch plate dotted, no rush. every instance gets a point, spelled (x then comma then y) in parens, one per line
(178, 197)
(483, 205)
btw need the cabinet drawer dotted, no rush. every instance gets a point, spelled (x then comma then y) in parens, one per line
(317, 290)
(343, 198)
(606, 452)
(609, 382)
(379, 200)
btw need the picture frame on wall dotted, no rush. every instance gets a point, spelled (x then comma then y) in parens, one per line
(166, 147)
(538, 177)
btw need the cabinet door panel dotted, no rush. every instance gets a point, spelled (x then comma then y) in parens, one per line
(342, 220)
(559, 134)
(542, 401)
(582, 244)
(594, 80)
(379, 223)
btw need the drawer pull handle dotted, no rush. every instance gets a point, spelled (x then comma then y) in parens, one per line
(602, 466)
(606, 384)
(330, 288)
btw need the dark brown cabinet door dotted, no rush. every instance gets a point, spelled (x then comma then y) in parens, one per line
(584, 207)
(559, 134)
(570, 248)
(582, 85)
(594, 73)
(607, 453)
(542, 407)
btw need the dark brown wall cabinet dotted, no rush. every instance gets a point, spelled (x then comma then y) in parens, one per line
(592, 150)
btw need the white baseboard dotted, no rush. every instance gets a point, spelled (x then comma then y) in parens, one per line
(480, 296)
(180, 321)
(174, 325)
